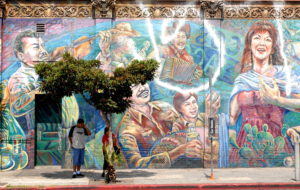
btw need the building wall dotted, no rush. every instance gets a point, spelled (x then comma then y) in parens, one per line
(211, 48)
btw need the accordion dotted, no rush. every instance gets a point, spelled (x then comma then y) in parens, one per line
(178, 70)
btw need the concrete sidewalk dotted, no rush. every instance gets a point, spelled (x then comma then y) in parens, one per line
(50, 176)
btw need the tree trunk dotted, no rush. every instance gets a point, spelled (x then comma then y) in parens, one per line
(111, 174)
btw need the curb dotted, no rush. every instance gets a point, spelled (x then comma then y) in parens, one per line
(3, 185)
(295, 185)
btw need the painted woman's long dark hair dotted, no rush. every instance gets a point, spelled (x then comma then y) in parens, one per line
(261, 26)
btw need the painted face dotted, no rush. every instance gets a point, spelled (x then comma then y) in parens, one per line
(261, 45)
(189, 108)
(180, 40)
(140, 94)
(123, 44)
(130, 45)
(33, 51)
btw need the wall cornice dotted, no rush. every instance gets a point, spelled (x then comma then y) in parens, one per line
(47, 10)
(163, 9)
(261, 12)
(157, 11)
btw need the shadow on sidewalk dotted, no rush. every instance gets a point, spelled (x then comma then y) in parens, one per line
(134, 173)
(68, 175)
(97, 175)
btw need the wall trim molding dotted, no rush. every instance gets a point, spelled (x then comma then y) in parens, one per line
(157, 11)
(262, 12)
(112, 9)
(47, 11)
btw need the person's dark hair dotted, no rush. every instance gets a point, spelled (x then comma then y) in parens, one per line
(186, 28)
(80, 121)
(18, 44)
(106, 130)
(179, 98)
(261, 26)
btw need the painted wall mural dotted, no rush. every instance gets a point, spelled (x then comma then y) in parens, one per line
(252, 66)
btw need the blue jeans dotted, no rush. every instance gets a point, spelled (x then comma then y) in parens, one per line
(78, 156)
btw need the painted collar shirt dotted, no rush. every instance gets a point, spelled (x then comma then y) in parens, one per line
(23, 85)
(138, 133)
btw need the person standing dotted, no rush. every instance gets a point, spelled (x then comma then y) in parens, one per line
(105, 145)
(77, 140)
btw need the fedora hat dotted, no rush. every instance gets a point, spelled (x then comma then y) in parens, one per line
(184, 28)
(124, 28)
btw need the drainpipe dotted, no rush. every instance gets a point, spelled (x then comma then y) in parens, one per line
(1, 67)
(297, 161)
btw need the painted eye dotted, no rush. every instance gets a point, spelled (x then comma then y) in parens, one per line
(186, 104)
(269, 40)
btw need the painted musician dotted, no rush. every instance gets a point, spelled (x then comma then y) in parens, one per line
(23, 85)
(117, 46)
(80, 48)
(142, 127)
(195, 125)
(179, 66)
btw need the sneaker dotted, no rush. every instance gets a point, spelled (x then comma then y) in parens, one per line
(74, 176)
(80, 175)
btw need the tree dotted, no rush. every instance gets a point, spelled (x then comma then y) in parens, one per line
(108, 93)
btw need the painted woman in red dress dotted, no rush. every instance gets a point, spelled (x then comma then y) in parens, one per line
(259, 101)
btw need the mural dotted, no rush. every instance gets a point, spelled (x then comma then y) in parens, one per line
(252, 65)
(178, 66)
(259, 97)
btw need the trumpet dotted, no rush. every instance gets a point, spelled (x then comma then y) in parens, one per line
(79, 48)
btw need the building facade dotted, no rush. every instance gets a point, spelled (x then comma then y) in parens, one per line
(233, 63)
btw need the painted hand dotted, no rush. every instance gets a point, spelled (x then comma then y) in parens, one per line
(105, 40)
(213, 106)
(268, 94)
(198, 73)
(295, 137)
(194, 149)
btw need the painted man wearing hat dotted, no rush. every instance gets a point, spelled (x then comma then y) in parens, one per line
(115, 43)
(178, 62)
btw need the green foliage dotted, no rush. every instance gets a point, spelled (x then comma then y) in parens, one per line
(107, 92)
(111, 156)
(114, 97)
(247, 128)
(261, 147)
(67, 76)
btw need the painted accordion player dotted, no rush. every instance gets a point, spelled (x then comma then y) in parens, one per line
(179, 71)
